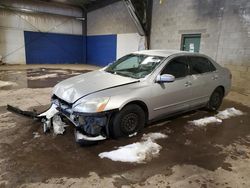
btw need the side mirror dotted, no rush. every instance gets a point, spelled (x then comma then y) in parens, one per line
(165, 78)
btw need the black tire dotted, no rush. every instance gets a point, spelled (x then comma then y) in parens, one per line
(215, 99)
(85, 143)
(129, 120)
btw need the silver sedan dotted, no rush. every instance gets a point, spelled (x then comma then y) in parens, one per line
(141, 87)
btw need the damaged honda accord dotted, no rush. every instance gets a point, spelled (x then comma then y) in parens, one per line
(118, 100)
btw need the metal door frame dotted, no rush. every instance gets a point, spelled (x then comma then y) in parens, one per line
(188, 35)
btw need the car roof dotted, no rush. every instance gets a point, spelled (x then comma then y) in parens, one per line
(162, 53)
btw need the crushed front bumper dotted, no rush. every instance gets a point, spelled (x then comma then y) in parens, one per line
(88, 126)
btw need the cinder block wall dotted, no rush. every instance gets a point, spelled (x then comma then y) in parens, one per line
(224, 27)
(112, 19)
(107, 24)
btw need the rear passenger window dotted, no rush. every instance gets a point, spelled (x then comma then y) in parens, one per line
(177, 67)
(199, 65)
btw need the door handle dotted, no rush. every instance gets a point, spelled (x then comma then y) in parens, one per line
(188, 84)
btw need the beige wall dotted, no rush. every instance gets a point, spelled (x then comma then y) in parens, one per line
(112, 19)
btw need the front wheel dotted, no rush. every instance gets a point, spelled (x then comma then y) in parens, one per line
(215, 99)
(129, 120)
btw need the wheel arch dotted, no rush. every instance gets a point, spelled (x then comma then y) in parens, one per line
(223, 89)
(140, 104)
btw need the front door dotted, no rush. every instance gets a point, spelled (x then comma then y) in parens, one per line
(191, 42)
(174, 96)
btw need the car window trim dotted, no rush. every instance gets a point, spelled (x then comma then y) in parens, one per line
(189, 60)
(188, 72)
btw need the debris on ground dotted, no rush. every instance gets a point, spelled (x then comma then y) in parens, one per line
(188, 142)
(138, 152)
(6, 122)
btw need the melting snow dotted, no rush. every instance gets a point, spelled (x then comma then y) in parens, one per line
(75, 73)
(131, 135)
(204, 121)
(138, 152)
(36, 135)
(42, 76)
(229, 112)
(225, 114)
(5, 83)
(59, 71)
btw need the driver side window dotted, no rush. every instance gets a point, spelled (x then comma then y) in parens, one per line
(177, 67)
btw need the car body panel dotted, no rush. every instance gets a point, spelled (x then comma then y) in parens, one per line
(158, 98)
(169, 98)
(70, 90)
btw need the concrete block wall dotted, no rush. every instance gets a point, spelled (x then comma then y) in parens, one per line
(115, 20)
(13, 24)
(112, 19)
(224, 27)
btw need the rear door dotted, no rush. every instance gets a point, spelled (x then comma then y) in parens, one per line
(203, 77)
(174, 96)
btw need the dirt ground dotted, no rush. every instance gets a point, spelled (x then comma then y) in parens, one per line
(216, 155)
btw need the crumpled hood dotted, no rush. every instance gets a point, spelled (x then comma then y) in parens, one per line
(76, 87)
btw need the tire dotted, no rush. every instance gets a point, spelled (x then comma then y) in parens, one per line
(215, 99)
(129, 120)
(85, 143)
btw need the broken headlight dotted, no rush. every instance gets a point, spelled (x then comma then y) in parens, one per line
(91, 105)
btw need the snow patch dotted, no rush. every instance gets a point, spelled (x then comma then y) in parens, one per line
(42, 76)
(36, 135)
(131, 135)
(204, 121)
(229, 112)
(75, 73)
(59, 71)
(138, 152)
(225, 114)
(7, 83)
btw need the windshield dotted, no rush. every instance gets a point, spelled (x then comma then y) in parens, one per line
(134, 65)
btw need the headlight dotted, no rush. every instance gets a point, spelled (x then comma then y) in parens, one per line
(91, 105)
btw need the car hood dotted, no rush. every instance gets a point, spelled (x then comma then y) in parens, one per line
(70, 90)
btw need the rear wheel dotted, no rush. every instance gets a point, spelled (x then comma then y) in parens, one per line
(215, 99)
(129, 120)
